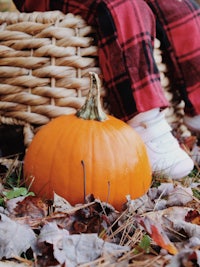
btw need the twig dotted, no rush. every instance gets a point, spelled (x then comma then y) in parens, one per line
(84, 181)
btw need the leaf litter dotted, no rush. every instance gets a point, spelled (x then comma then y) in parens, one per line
(161, 228)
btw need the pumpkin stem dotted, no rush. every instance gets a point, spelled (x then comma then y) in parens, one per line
(92, 109)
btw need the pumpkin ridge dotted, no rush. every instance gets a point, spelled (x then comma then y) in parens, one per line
(70, 133)
(74, 151)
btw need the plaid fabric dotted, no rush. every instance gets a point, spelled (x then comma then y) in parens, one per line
(126, 30)
(178, 28)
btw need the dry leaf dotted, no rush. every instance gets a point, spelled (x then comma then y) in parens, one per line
(180, 196)
(13, 264)
(11, 204)
(166, 195)
(174, 221)
(155, 230)
(29, 206)
(192, 230)
(60, 204)
(185, 258)
(193, 216)
(14, 238)
(72, 250)
(140, 205)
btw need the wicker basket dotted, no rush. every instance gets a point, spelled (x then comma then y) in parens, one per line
(45, 58)
(44, 63)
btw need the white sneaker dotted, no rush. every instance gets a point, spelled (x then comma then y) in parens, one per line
(193, 123)
(166, 156)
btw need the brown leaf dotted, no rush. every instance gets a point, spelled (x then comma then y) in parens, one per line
(189, 142)
(79, 227)
(31, 206)
(193, 216)
(62, 219)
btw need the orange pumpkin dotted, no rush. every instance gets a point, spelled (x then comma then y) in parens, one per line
(114, 156)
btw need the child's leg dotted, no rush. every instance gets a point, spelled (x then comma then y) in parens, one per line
(178, 27)
(126, 31)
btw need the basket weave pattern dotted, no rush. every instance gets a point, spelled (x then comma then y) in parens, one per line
(44, 63)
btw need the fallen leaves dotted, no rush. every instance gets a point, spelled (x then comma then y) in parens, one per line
(27, 225)
(157, 233)
(161, 228)
(72, 250)
(186, 258)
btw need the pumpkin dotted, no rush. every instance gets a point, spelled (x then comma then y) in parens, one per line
(89, 152)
